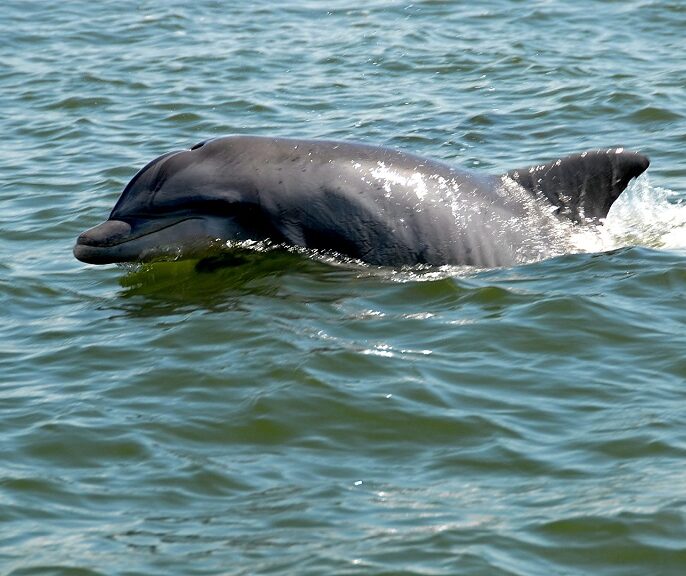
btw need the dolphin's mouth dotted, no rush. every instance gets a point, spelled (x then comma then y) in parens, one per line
(119, 241)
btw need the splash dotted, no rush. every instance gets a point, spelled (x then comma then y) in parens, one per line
(643, 215)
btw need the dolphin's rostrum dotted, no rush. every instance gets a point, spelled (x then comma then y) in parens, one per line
(375, 204)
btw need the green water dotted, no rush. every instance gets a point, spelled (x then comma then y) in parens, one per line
(287, 415)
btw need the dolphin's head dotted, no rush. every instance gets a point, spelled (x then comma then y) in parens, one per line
(179, 205)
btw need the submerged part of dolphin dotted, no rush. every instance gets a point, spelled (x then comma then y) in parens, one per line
(374, 204)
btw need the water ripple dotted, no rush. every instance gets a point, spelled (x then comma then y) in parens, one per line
(274, 412)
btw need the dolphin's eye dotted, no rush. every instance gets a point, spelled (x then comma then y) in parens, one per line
(199, 145)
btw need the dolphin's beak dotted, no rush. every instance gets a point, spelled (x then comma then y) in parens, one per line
(95, 246)
(142, 240)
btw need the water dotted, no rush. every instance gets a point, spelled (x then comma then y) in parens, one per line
(288, 415)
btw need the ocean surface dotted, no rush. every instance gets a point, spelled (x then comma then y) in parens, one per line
(293, 414)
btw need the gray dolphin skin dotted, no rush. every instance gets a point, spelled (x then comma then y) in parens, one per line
(378, 205)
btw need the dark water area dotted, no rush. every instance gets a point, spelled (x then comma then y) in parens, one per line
(296, 415)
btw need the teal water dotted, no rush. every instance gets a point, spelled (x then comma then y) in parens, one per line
(288, 415)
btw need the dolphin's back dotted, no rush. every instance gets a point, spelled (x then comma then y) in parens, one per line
(375, 204)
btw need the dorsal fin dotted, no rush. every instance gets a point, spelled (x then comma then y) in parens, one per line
(583, 186)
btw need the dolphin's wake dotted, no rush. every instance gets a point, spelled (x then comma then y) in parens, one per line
(644, 215)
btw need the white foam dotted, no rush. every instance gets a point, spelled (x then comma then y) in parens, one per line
(643, 215)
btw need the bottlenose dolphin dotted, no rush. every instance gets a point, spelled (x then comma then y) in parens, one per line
(378, 205)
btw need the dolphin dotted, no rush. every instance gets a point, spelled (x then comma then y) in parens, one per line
(374, 204)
